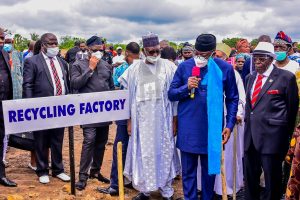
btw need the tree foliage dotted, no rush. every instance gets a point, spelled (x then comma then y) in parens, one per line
(34, 36)
(20, 42)
(231, 41)
(68, 42)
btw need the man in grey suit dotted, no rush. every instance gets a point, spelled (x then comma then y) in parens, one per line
(46, 75)
(92, 74)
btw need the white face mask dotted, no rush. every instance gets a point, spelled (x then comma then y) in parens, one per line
(52, 52)
(152, 59)
(98, 54)
(200, 61)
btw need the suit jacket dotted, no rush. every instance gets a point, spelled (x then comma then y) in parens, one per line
(271, 121)
(192, 113)
(37, 80)
(84, 80)
(5, 55)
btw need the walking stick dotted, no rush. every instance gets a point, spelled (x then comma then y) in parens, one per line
(120, 172)
(223, 176)
(72, 159)
(234, 161)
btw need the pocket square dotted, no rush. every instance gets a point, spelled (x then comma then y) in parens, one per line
(273, 92)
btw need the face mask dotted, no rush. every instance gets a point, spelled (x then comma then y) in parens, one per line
(52, 52)
(200, 61)
(152, 59)
(7, 47)
(281, 55)
(98, 54)
(83, 50)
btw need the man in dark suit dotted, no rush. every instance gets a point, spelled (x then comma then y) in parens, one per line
(6, 93)
(46, 75)
(92, 74)
(271, 109)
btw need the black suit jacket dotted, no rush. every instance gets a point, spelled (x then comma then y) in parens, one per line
(271, 121)
(37, 80)
(5, 55)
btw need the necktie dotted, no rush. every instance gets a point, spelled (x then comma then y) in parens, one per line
(257, 89)
(56, 78)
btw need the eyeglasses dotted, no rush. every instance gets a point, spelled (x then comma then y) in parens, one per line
(281, 47)
(51, 43)
(260, 58)
(95, 50)
(152, 52)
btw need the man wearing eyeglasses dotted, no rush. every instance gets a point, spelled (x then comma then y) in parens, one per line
(92, 74)
(282, 46)
(151, 161)
(271, 109)
(46, 75)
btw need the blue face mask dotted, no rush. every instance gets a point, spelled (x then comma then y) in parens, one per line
(281, 55)
(7, 47)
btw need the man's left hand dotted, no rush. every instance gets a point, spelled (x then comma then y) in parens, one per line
(226, 135)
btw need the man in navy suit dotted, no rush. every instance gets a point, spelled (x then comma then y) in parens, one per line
(45, 75)
(193, 117)
(271, 109)
(6, 93)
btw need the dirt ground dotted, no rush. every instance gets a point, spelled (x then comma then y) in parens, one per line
(30, 188)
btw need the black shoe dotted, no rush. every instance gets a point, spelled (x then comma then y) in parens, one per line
(141, 196)
(180, 198)
(100, 178)
(109, 190)
(80, 185)
(129, 186)
(6, 182)
(168, 198)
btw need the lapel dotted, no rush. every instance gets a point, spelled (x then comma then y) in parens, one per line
(45, 66)
(267, 85)
(249, 88)
(6, 59)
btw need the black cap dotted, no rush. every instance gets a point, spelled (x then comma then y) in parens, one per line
(206, 42)
(94, 40)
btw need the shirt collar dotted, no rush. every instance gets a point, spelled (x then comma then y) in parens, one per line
(47, 58)
(268, 71)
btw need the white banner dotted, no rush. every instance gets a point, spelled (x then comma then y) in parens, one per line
(34, 114)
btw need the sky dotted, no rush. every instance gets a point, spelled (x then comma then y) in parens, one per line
(122, 21)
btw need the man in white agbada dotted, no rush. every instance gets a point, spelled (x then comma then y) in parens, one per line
(151, 161)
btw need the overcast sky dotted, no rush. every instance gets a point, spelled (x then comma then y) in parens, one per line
(175, 20)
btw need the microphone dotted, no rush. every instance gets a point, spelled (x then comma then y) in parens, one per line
(195, 73)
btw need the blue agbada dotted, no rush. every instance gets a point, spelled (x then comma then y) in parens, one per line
(200, 120)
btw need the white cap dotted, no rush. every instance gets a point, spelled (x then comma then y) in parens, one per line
(265, 48)
(119, 48)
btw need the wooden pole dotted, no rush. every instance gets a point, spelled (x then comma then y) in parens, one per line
(234, 161)
(223, 176)
(72, 159)
(120, 172)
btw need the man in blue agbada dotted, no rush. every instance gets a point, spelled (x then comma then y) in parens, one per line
(201, 119)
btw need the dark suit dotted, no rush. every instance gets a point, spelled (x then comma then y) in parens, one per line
(37, 82)
(84, 80)
(6, 93)
(268, 126)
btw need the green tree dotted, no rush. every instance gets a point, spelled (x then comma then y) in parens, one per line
(20, 42)
(34, 36)
(174, 45)
(68, 42)
(231, 41)
(254, 42)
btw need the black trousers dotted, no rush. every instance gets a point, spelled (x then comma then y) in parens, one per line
(53, 139)
(93, 149)
(271, 164)
(2, 134)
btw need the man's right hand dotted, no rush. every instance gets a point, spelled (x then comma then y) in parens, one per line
(193, 82)
(93, 63)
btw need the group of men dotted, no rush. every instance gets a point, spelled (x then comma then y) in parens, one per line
(192, 107)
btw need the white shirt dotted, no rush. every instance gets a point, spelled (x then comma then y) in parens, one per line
(118, 59)
(59, 71)
(266, 75)
(292, 66)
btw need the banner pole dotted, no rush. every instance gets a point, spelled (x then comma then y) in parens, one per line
(72, 159)
(120, 172)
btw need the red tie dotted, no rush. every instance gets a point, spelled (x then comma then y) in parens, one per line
(257, 89)
(56, 78)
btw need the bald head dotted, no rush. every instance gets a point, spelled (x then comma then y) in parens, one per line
(264, 38)
(31, 45)
(48, 40)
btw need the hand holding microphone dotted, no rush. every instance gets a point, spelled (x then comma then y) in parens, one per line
(193, 81)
